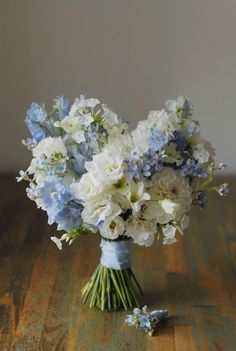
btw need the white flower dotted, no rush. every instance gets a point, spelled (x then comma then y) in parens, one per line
(79, 118)
(142, 232)
(166, 122)
(200, 153)
(22, 175)
(168, 184)
(137, 195)
(140, 135)
(58, 241)
(112, 227)
(203, 150)
(173, 156)
(85, 189)
(50, 147)
(169, 234)
(109, 116)
(223, 189)
(105, 168)
(119, 144)
(95, 213)
(81, 104)
(154, 211)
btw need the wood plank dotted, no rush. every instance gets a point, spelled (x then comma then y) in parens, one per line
(40, 302)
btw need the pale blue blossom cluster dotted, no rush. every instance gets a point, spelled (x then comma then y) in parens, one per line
(144, 320)
(90, 173)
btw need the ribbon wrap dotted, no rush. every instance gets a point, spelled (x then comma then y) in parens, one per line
(115, 254)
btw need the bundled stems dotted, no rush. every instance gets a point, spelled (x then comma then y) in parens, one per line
(112, 289)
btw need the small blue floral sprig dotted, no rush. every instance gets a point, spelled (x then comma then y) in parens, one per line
(144, 320)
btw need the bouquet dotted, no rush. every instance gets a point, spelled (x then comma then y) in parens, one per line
(91, 174)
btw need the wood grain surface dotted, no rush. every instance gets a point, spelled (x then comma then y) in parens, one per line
(40, 304)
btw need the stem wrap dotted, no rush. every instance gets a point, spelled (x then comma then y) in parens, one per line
(115, 254)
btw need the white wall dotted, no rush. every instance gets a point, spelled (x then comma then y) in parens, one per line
(133, 54)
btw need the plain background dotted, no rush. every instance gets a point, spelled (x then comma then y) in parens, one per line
(132, 54)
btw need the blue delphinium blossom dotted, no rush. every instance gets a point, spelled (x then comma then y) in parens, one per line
(179, 140)
(61, 105)
(193, 168)
(36, 112)
(139, 167)
(54, 196)
(78, 155)
(37, 132)
(157, 139)
(201, 199)
(69, 217)
(36, 115)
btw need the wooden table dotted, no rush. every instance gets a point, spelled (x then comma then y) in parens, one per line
(40, 305)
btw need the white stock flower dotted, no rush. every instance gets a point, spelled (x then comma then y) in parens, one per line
(81, 104)
(50, 147)
(105, 168)
(137, 195)
(85, 189)
(142, 232)
(97, 212)
(200, 153)
(166, 122)
(112, 228)
(140, 135)
(109, 116)
(169, 185)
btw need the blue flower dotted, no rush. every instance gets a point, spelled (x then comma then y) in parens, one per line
(36, 113)
(200, 199)
(179, 140)
(69, 217)
(129, 319)
(37, 132)
(144, 320)
(193, 168)
(157, 139)
(146, 165)
(62, 105)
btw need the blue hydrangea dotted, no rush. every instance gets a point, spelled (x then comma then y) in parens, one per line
(157, 139)
(62, 105)
(193, 168)
(201, 199)
(146, 165)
